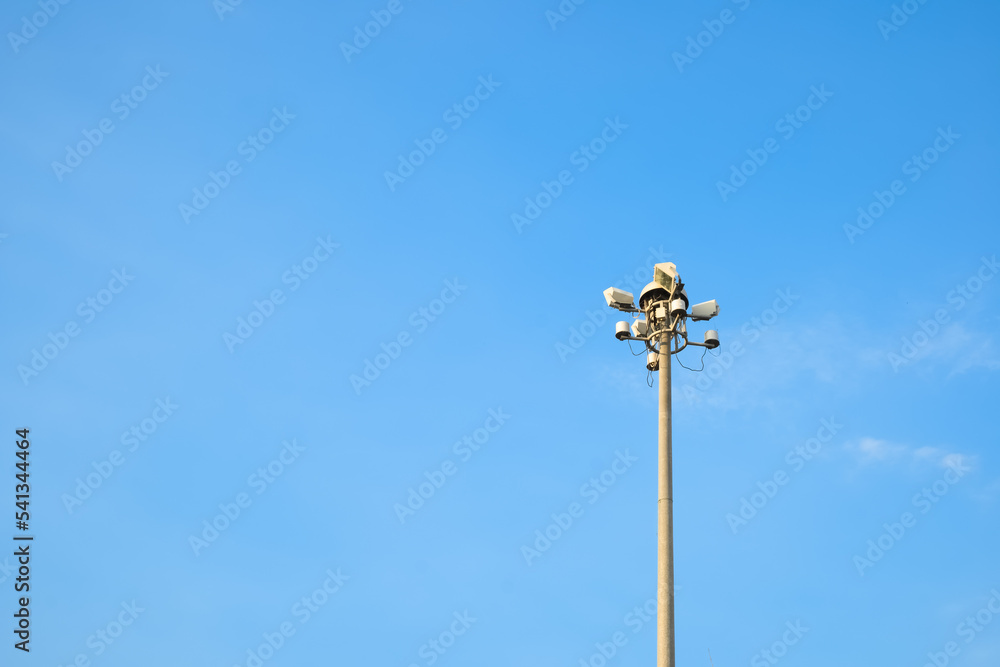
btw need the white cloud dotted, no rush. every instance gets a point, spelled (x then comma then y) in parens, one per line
(991, 493)
(977, 351)
(825, 359)
(772, 365)
(868, 451)
(873, 449)
(954, 347)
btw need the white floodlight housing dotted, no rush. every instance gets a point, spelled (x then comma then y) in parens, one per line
(678, 307)
(711, 339)
(653, 361)
(619, 299)
(622, 331)
(665, 275)
(640, 328)
(704, 311)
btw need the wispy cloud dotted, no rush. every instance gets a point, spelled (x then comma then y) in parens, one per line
(872, 451)
(977, 352)
(774, 365)
(777, 367)
(989, 494)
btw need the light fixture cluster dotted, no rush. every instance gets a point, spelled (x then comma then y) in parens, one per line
(662, 315)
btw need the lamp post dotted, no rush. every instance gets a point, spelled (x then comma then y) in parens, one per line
(663, 305)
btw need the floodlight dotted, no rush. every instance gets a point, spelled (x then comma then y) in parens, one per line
(622, 331)
(665, 275)
(704, 311)
(653, 361)
(619, 299)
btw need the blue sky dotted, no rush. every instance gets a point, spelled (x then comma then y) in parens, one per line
(265, 272)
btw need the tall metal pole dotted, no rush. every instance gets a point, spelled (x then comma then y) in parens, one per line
(665, 519)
